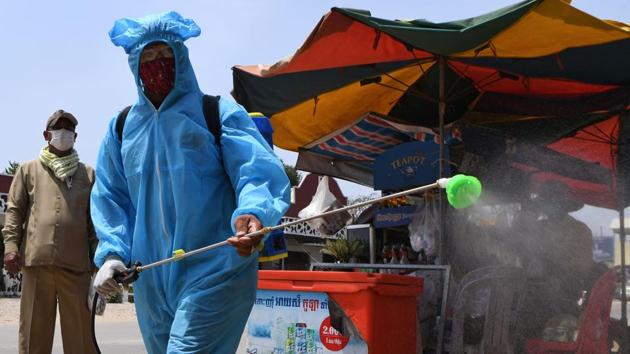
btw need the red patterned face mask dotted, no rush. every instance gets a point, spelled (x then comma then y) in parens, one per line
(158, 75)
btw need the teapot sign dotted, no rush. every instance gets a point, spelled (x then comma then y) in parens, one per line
(408, 165)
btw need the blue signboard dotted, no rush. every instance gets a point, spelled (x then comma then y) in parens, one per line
(409, 165)
(399, 216)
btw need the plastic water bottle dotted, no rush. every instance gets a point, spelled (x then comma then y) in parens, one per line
(404, 259)
(385, 254)
(394, 260)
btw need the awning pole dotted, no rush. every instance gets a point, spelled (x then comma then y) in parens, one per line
(441, 113)
(621, 195)
(622, 240)
(372, 235)
(624, 300)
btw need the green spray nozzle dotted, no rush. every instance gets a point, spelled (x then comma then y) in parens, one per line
(462, 191)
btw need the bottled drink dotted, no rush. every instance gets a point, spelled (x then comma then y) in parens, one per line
(301, 344)
(404, 255)
(394, 260)
(404, 258)
(290, 344)
(386, 255)
(310, 341)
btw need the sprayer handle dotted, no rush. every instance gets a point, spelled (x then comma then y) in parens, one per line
(129, 275)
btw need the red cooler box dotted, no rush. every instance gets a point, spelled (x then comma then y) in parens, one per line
(291, 313)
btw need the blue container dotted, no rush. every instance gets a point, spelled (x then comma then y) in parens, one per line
(264, 127)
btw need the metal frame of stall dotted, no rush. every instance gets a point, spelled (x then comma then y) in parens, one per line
(445, 269)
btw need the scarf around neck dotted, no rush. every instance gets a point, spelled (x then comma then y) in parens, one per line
(63, 167)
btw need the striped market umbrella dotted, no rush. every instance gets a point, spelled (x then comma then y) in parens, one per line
(537, 58)
(539, 70)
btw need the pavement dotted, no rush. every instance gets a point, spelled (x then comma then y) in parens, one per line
(117, 331)
(113, 337)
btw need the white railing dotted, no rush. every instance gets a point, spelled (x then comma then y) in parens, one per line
(302, 229)
(12, 284)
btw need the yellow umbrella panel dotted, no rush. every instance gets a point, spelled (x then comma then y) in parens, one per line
(549, 27)
(325, 113)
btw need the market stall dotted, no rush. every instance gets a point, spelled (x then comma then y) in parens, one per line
(530, 87)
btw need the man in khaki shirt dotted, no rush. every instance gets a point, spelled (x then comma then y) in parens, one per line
(48, 234)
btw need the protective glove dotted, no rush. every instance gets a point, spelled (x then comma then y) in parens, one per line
(104, 282)
(100, 303)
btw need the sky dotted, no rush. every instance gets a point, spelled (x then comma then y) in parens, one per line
(57, 55)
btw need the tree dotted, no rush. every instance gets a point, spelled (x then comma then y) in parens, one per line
(12, 168)
(294, 176)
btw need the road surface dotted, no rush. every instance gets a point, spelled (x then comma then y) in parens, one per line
(117, 332)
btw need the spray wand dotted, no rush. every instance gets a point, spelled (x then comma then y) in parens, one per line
(461, 190)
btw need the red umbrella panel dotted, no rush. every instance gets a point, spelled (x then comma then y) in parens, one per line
(605, 144)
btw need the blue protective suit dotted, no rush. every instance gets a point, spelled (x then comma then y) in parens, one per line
(169, 187)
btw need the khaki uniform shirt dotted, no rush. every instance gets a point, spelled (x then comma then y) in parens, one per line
(47, 220)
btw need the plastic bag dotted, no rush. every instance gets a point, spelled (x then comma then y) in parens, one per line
(324, 201)
(424, 229)
(100, 303)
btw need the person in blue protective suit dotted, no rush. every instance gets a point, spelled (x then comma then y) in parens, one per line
(165, 186)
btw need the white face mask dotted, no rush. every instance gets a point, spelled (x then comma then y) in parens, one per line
(62, 139)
